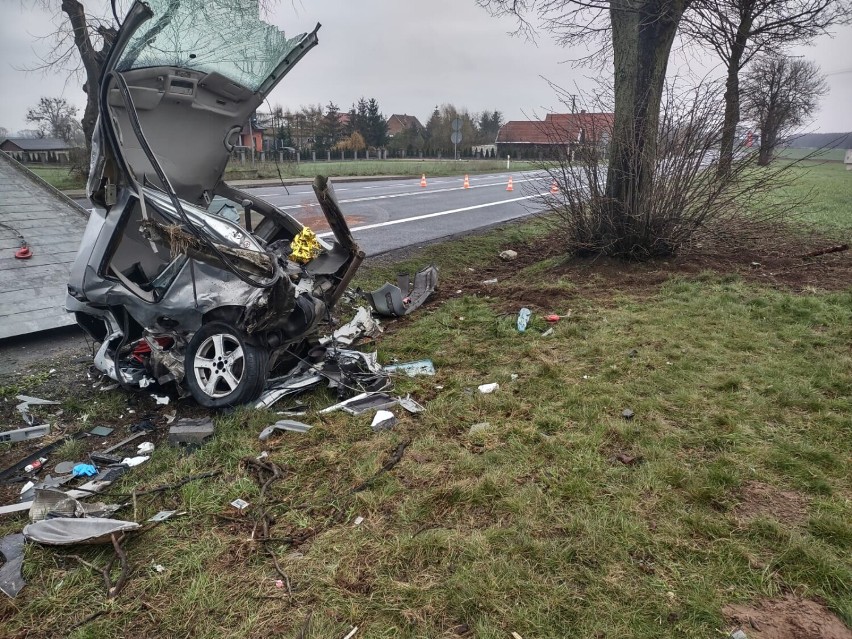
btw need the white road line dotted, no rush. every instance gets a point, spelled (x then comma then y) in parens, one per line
(390, 196)
(427, 216)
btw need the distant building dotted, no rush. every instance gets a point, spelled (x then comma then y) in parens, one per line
(556, 135)
(399, 123)
(29, 150)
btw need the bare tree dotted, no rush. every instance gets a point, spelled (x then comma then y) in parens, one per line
(780, 94)
(54, 118)
(641, 33)
(737, 30)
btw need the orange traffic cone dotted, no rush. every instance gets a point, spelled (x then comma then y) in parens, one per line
(423, 181)
(509, 186)
(554, 188)
(466, 182)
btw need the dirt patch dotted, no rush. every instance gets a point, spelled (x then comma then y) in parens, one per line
(775, 257)
(318, 223)
(763, 500)
(787, 618)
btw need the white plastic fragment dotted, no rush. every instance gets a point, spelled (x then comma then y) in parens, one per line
(145, 447)
(358, 521)
(383, 420)
(240, 504)
(135, 461)
(161, 400)
(351, 633)
(488, 388)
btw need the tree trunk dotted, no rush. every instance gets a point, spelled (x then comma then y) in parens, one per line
(93, 61)
(732, 99)
(642, 39)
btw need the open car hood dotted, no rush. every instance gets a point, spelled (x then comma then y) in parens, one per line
(196, 71)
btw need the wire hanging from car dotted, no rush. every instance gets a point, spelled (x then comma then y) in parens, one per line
(275, 155)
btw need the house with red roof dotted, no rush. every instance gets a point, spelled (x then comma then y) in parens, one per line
(555, 136)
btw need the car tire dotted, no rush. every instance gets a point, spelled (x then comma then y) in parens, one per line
(223, 368)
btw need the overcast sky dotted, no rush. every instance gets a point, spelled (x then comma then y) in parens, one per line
(408, 54)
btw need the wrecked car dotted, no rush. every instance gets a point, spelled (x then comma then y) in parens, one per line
(172, 291)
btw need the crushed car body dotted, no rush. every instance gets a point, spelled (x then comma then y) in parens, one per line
(172, 290)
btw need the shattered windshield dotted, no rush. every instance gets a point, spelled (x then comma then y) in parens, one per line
(223, 36)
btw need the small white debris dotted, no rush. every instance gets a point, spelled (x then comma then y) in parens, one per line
(491, 281)
(240, 504)
(171, 417)
(514, 376)
(145, 382)
(359, 521)
(161, 400)
(145, 447)
(488, 388)
(547, 333)
(159, 567)
(508, 255)
(51, 371)
(134, 461)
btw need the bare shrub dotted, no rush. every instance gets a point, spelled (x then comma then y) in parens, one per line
(686, 196)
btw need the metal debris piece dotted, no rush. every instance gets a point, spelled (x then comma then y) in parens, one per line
(11, 578)
(163, 515)
(363, 403)
(410, 405)
(284, 424)
(66, 531)
(396, 301)
(488, 388)
(362, 325)
(101, 431)
(295, 382)
(413, 369)
(24, 434)
(383, 420)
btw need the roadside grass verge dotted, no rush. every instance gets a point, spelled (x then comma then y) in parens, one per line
(366, 168)
(559, 518)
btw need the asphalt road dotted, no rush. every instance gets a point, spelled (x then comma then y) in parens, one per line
(392, 214)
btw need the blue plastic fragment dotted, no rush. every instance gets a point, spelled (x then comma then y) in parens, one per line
(84, 470)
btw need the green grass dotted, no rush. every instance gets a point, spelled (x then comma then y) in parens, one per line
(59, 177)
(407, 168)
(825, 192)
(531, 526)
(834, 154)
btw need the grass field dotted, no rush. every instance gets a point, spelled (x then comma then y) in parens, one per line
(370, 168)
(825, 190)
(833, 154)
(555, 517)
(60, 177)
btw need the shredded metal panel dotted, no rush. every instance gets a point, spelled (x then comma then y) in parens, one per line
(32, 292)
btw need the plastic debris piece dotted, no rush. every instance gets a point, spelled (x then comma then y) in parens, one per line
(191, 431)
(145, 447)
(359, 520)
(240, 504)
(383, 420)
(84, 470)
(64, 531)
(547, 333)
(162, 400)
(27, 487)
(488, 388)
(134, 461)
(410, 405)
(351, 633)
(11, 577)
(362, 325)
(171, 417)
(24, 434)
(523, 319)
(65, 467)
(490, 282)
(158, 568)
(101, 431)
(405, 297)
(284, 424)
(412, 369)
